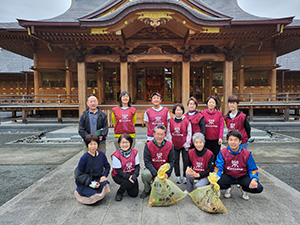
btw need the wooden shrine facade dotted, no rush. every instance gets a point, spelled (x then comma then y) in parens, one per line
(178, 48)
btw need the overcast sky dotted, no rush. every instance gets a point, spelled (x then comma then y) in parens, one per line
(44, 9)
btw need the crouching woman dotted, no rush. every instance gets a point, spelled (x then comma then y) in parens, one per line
(91, 180)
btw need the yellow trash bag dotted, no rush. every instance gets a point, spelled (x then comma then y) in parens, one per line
(207, 198)
(164, 192)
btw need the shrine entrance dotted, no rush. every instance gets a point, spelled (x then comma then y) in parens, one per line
(158, 77)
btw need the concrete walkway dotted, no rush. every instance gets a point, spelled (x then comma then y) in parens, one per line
(51, 201)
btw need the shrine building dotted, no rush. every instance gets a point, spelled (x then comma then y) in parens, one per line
(179, 48)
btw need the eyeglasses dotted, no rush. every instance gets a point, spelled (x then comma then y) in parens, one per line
(160, 135)
(125, 142)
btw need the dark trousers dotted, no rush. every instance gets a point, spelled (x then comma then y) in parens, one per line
(213, 146)
(125, 185)
(226, 181)
(184, 154)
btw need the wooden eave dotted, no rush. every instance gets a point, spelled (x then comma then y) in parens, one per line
(29, 23)
(283, 21)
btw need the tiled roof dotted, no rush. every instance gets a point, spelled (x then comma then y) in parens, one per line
(13, 63)
(289, 61)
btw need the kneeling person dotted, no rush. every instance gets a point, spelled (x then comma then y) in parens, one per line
(238, 167)
(156, 153)
(200, 163)
(126, 167)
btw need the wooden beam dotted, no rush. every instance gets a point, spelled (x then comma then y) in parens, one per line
(207, 57)
(155, 58)
(185, 84)
(124, 76)
(102, 58)
(227, 83)
(82, 92)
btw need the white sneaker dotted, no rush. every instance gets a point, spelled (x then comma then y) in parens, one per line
(186, 192)
(245, 195)
(184, 180)
(227, 193)
(178, 180)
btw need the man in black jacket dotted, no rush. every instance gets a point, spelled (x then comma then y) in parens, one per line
(94, 121)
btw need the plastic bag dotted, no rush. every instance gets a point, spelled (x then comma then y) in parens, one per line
(207, 198)
(164, 192)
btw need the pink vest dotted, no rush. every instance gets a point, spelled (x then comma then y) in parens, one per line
(200, 164)
(124, 124)
(159, 156)
(156, 118)
(179, 132)
(237, 123)
(235, 165)
(195, 120)
(128, 164)
(212, 125)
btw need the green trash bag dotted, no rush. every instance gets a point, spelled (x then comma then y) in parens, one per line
(164, 192)
(207, 198)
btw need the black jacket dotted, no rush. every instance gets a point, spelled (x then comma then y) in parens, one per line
(84, 124)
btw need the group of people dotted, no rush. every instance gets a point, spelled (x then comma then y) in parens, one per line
(196, 136)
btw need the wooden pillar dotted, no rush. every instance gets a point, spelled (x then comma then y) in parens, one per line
(82, 93)
(100, 84)
(185, 84)
(68, 79)
(130, 82)
(24, 115)
(273, 82)
(241, 80)
(177, 82)
(59, 117)
(13, 113)
(124, 76)
(210, 80)
(35, 74)
(227, 83)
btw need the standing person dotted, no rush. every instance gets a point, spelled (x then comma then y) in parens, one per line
(91, 180)
(196, 118)
(214, 125)
(124, 118)
(156, 115)
(126, 167)
(94, 121)
(235, 165)
(237, 120)
(200, 163)
(156, 153)
(180, 134)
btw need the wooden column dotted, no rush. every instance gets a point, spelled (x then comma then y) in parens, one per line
(82, 93)
(100, 84)
(130, 81)
(210, 81)
(68, 79)
(124, 76)
(273, 82)
(241, 80)
(35, 74)
(227, 83)
(185, 84)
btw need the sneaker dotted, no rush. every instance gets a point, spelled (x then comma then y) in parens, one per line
(118, 197)
(178, 180)
(245, 195)
(227, 193)
(184, 180)
(144, 194)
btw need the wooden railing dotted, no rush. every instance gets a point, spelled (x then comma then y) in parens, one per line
(38, 99)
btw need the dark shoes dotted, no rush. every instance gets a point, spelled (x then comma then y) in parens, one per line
(144, 194)
(118, 197)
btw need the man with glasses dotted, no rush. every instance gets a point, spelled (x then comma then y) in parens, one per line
(156, 153)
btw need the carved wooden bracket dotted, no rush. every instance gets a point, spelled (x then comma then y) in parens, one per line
(155, 19)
